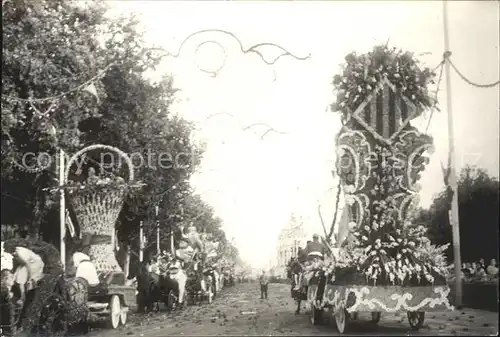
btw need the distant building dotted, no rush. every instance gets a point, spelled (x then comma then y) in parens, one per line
(291, 237)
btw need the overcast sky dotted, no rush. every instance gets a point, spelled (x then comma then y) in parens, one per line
(255, 184)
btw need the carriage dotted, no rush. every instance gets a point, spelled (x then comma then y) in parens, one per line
(386, 262)
(111, 299)
(96, 204)
(155, 287)
(201, 284)
(228, 278)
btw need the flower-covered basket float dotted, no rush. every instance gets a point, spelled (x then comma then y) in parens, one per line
(387, 263)
(96, 202)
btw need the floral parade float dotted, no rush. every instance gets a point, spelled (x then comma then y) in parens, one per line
(386, 263)
(96, 204)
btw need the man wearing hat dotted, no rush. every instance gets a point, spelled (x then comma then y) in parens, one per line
(315, 249)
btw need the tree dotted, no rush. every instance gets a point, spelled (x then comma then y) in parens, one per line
(93, 69)
(478, 216)
(52, 47)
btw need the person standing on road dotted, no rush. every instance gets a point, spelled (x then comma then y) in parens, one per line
(264, 281)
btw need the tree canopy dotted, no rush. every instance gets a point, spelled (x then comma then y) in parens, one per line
(72, 77)
(478, 216)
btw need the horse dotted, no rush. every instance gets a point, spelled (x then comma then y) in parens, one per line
(300, 294)
(148, 288)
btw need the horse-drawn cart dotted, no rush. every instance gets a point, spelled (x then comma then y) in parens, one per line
(385, 261)
(161, 286)
(200, 285)
(111, 301)
(96, 203)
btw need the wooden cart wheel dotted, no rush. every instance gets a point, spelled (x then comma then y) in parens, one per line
(171, 300)
(123, 316)
(416, 319)
(342, 319)
(376, 317)
(210, 293)
(184, 302)
(114, 311)
(315, 315)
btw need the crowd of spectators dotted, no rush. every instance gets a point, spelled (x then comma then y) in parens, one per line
(479, 271)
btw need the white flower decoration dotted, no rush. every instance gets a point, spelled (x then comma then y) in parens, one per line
(349, 189)
(349, 200)
(431, 149)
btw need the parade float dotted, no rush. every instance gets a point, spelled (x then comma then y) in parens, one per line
(202, 275)
(161, 281)
(96, 201)
(387, 263)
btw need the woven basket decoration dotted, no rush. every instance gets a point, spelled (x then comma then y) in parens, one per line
(97, 210)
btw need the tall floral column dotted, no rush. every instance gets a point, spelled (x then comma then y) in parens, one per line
(380, 158)
(97, 202)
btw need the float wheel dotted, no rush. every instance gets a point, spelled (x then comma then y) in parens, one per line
(342, 319)
(115, 311)
(171, 300)
(210, 296)
(416, 319)
(123, 316)
(184, 301)
(315, 315)
(376, 317)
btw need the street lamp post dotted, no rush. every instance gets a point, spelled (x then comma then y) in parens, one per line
(157, 208)
(62, 208)
(141, 242)
(453, 214)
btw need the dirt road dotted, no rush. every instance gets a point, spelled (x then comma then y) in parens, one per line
(240, 311)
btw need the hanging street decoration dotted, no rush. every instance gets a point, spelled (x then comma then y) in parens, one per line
(92, 90)
(258, 49)
(43, 107)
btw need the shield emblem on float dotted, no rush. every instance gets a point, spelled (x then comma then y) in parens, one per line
(385, 112)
